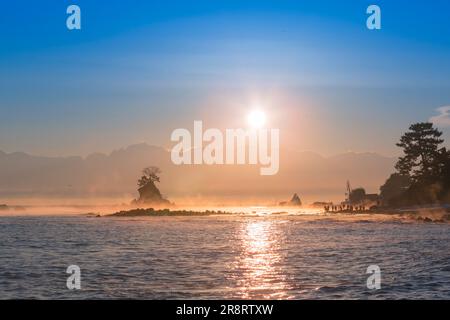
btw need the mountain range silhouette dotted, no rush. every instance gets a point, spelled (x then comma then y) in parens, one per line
(313, 176)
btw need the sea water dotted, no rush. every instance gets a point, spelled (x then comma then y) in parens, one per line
(232, 257)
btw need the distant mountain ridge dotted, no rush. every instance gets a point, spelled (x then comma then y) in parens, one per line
(311, 175)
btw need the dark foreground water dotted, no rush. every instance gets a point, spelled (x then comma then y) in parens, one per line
(222, 257)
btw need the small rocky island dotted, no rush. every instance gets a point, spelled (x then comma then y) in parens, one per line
(149, 194)
(294, 202)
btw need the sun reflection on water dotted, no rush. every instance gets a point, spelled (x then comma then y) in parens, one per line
(257, 269)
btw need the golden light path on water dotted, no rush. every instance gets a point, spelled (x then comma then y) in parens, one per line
(257, 272)
(258, 264)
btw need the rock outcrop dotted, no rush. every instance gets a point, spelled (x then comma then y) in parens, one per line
(149, 194)
(295, 201)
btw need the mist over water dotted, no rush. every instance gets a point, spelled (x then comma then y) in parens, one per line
(267, 256)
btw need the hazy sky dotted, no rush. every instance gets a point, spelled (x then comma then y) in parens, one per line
(139, 69)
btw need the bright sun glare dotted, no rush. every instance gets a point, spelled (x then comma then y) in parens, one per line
(256, 119)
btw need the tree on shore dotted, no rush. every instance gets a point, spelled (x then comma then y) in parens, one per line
(421, 148)
(357, 195)
(423, 172)
(395, 186)
(149, 174)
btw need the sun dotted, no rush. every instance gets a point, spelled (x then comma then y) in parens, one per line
(256, 119)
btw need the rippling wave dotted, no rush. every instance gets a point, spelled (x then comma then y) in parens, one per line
(262, 257)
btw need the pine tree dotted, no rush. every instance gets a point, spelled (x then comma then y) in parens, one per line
(421, 148)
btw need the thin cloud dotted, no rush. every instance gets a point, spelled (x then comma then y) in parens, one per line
(443, 118)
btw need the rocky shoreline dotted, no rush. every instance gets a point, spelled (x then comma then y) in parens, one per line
(150, 212)
(419, 216)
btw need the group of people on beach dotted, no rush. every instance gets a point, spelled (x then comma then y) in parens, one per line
(344, 208)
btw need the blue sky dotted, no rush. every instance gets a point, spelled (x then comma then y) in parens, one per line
(138, 69)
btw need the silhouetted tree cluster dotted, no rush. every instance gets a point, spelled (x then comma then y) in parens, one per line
(149, 174)
(423, 172)
(396, 185)
(357, 195)
(422, 154)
